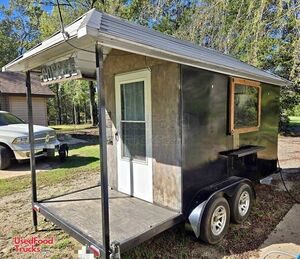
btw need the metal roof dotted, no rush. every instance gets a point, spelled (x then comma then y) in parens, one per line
(114, 32)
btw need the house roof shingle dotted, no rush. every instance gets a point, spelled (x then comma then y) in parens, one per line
(14, 83)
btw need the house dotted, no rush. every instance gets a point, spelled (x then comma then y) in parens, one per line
(13, 96)
(189, 128)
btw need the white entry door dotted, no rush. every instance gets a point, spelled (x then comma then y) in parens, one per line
(133, 119)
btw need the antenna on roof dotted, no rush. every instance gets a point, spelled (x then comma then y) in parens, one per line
(62, 28)
(66, 34)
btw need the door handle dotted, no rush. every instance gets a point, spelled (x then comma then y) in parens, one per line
(117, 136)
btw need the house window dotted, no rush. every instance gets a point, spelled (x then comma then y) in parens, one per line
(245, 106)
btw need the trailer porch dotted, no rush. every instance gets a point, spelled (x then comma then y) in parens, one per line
(131, 221)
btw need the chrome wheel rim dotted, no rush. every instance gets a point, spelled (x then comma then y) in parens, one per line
(244, 203)
(218, 220)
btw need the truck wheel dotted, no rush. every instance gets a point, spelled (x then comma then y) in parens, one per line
(215, 221)
(241, 203)
(5, 157)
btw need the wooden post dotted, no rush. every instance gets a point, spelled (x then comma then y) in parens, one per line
(31, 141)
(103, 151)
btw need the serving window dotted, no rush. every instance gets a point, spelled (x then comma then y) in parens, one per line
(245, 106)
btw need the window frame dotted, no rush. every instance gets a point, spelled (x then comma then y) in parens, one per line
(233, 82)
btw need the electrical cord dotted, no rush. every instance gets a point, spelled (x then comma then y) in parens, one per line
(66, 36)
(64, 33)
(287, 190)
(90, 51)
(66, 41)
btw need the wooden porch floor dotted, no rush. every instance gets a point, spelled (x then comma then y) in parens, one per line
(130, 218)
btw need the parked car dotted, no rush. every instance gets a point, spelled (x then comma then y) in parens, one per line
(14, 140)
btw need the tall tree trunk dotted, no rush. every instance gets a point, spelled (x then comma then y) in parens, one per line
(85, 113)
(93, 105)
(58, 104)
(74, 114)
(78, 114)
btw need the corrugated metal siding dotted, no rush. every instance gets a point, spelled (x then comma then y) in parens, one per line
(18, 106)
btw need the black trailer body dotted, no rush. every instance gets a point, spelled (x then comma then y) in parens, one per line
(184, 131)
(206, 138)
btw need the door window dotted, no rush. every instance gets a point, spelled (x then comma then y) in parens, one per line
(133, 124)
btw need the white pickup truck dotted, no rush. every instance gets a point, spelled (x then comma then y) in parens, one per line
(14, 140)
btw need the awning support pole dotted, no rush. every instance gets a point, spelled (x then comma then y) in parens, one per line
(31, 141)
(103, 150)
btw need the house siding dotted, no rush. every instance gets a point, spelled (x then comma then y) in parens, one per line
(18, 106)
(4, 102)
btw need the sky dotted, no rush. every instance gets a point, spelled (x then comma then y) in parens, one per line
(6, 4)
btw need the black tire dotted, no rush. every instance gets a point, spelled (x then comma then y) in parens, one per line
(206, 232)
(5, 157)
(239, 215)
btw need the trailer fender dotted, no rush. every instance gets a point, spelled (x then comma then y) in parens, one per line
(196, 214)
(195, 218)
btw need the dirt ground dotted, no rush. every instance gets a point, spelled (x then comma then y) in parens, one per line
(15, 221)
(19, 169)
(241, 241)
(289, 152)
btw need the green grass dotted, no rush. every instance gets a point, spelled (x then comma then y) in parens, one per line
(294, 126)
(71, 127)
(294, 121)
(62, 244)
(83, 159)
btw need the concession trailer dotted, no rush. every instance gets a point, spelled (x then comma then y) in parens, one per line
(184, 131)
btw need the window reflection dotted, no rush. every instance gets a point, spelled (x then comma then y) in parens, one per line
(245, 106)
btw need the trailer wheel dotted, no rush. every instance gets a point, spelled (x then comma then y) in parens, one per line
(215, 221)
(241, 203)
